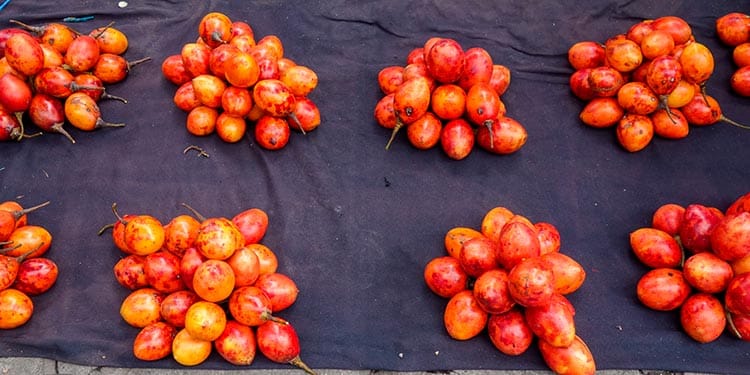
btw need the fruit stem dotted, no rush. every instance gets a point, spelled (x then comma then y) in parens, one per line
(201, 152)
(19, 213)
(106, 95)
(131, 64)
(296, 122)
(117, 215)
(7, 249)
(297, 361)
(104, 124)
(104, 29)
(663, 99)
(194, 211)
(58, 127)
(730, 325)
(104, 228)
(33, 29)
(23, 256)
(732, 122)
(488, 124)
(396, 128)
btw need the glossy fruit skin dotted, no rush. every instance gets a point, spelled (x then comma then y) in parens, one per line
(737, 297)
(205, 320)
(699, 222)
(605, 81)
(301, 80)
(586, 54)
(509, 332)
(16, 308)
(505, 136)
(637, 98)
(174, 307)
(740, 81)
(154, 342)
(655, 248)
(189, 351)
(664, 74)
(130, 272)
(531, 283)
(201, 121)
(162, 270)
(266, 257)
(580, 86)
(730, 239)
(549, 237)
(241, 70)
(214, 29)
(567, 273)
(141, 307)
(213, 280)
(411, 100)
(24, 54)
(494, 221)
(457, 139)
(500, 79)
(390, 77)
(553, 321)
(230, 129)
(237, 344)
(602, 112)
(477, 68)
(272, 133)
(574, 359)
(82, 53)
(36, 276)
(456, 237)
(15, 95)
(445, 60)
(707, 272)
(32, 241)
(307, 115)
(670, 125)
(663, 289)
(463, 316)
(623, 54)
(702, 317)
(448, 102)
(110, 40)
(180, 234)
(491, 291)
(246, 266)
(281, 290)
(250, 306)
(274, 97)
(668, 218)
(697, 63)
(518, 241)
(732, 28)
(445, 277)
(477, 256)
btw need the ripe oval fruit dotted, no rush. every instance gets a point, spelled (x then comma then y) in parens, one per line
(663, 289)
(531, 282)
(154, 341)
(655, 248)
(707, 273)
(573, 359)
(445, 60)
(142, 307)
(463, 316)
(189, 351)
(213, 280)
(445, 277)
(509, 332)
(702, 317)
(16, 308)
(205, 320)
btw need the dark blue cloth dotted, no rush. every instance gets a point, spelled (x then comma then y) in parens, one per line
(354, 224)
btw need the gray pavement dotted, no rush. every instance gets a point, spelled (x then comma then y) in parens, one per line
(39, 366)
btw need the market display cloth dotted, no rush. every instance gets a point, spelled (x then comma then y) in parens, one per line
(353, 224)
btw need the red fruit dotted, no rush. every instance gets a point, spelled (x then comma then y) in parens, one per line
(445, 60)
(500, 79)
(605, 81)
(579, 84)
(740, 81)
(702, 317)
(549, 238)
(390, 78)
(477, 256)
(574, 359)
(730, 239)
(568, 274)
(531, 282)
(602, 112)
(15, 94)
(517, 241)
(175, 305)
(252, 223)
(623, 54)
(130, 272)
(737, 296)
(162, 270)
(586, 54)
(237, 344)
(445, 277)
(739, 326)
(509, 332)
(281, 290)
(663, 289)
(278, 341)
(36, 276)
(655, 248)
(492, 293)
(552, 321)
(477, 68)
(272, 133)
(457, 139)
(215, 29)
(698, 223)
(668, 218)
(733, 28)
(174, 70)
(24, 54)
(154, 341)
(82, 54)
(463, 316)
(707, 273)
